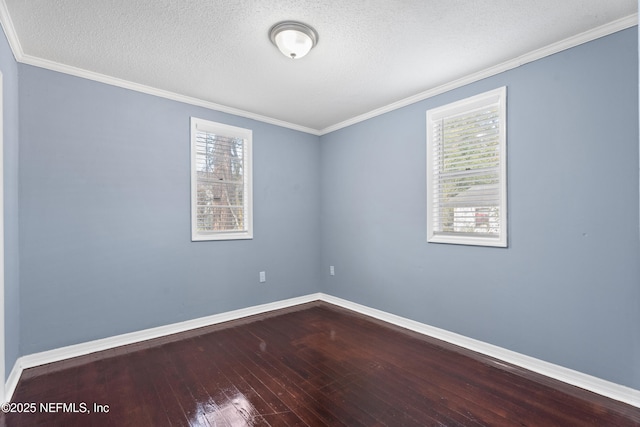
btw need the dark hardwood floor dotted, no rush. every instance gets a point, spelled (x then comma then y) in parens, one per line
(311, 365)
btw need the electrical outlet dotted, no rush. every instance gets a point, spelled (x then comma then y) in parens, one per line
(332, 271)
(263, 276)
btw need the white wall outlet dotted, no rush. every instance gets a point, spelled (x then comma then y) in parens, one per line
(332, 270)
(263, 276)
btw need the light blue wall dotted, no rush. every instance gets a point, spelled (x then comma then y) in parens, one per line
(567, 290)
(636, 337)
(105, 215)
(9, 69)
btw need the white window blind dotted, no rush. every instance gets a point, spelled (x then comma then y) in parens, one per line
(221, 196)
(466, 171)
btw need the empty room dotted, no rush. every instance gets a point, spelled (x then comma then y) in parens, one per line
(309, 213)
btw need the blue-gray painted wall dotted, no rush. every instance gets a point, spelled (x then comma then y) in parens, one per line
(105, 243)
(104, 215)
(567, 289)
(9, 69)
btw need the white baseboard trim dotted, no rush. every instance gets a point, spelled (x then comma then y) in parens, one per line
(12, 380)
(588, 382)
(579, 379)
(58, 354)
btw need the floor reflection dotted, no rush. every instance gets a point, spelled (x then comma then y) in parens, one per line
(236, 412)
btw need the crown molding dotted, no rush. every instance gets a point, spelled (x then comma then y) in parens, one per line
(10, 31)
(149, 90)
(587, 36)
(18, 53)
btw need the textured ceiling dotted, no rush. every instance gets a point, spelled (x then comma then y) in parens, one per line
(371, 53)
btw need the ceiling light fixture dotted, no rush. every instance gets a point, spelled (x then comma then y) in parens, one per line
(294, 39)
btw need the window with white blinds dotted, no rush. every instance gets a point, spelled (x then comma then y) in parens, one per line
(221, 183)
(466, 171)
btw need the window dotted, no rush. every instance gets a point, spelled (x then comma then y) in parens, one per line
(221, 184)
(466, 171)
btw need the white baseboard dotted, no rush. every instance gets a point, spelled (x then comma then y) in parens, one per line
(605, 388)
(12, 380)
(58, 354)
(578, 379)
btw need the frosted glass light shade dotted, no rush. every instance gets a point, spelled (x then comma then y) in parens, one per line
(293, 39)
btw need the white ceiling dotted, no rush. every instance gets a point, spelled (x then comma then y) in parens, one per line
(370, 54)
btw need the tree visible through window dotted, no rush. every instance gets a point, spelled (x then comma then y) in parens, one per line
(466, 182)
(221, 181)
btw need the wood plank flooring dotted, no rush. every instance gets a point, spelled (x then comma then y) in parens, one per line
(311, 365)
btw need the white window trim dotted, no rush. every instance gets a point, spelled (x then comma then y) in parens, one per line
(232, 131)
(498, 96)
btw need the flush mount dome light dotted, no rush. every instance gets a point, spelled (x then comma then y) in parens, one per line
(294, 39)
